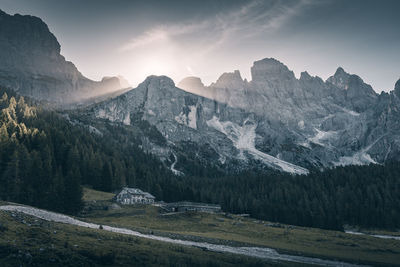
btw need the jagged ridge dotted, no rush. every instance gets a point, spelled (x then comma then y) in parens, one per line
(271, 119)
(32, 65)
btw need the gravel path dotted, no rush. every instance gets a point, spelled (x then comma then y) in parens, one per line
(258, 252)
(378, 236)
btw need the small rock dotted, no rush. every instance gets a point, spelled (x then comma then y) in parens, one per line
(114, 206)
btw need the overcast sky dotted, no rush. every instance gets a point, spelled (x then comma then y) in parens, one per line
(180, 38)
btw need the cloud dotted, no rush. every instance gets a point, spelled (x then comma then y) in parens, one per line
(254, 18)
(169, 49)
(149, 37)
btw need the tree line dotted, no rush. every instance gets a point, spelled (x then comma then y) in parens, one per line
(45, 157)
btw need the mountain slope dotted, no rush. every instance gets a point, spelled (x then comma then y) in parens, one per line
(45, 157)
(274, 120)
(32, 65)
(227, 133)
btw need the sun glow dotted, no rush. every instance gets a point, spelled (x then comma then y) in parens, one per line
(152, 64)
(160, 56)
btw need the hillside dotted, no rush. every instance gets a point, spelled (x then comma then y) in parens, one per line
(32, 65)
(26, 240)
(143, 230)
(249, 161)
(275, 121)
(47, 156)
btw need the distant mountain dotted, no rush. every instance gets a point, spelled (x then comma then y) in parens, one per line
(32, 65)
(274, 120)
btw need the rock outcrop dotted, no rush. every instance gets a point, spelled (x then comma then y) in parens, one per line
(274, 120)
(196, 86)
(31, 63)
(397, 88)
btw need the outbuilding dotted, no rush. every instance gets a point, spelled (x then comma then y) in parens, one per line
(192, 206)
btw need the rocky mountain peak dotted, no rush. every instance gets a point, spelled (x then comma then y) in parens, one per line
(270, 69)
(2, 14)
(340, 71)
(340, 78)
(350, 82)
(397, 88)
(29, 34)
(277, 120)
(191, 84)
(359, 94)
(32, 65)
(304, 76)
(357, 84)
(112, 81)
(119, 81)
(123, 82)
(162, 81)
(229, 80)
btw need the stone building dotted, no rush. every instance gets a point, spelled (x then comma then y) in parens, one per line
(191, 206)
(129, 196)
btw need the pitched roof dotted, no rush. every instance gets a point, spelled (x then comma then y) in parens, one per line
(136, 191)
(148, 195)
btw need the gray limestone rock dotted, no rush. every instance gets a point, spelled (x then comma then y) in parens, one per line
(32, 65)
(274, 120)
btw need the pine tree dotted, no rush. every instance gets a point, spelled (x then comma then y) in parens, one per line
(3, 133)
(106, 178)
(72, 192)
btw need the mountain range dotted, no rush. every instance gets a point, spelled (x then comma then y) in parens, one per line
(272, 121)
(32, 65)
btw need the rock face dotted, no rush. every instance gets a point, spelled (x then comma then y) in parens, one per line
(221, 134)
(359, 96)
(397, 88)
(32, 65)
(275, 120)
(196, 86)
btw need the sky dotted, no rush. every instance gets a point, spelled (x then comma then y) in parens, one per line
(181, 38)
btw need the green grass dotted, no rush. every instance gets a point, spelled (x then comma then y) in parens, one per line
(94, 195)
(25, 240)
(295, 240)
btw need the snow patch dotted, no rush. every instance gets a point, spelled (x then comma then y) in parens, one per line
(243, 138)
(127, 119)
(301, 125)
(305, 144)
(359, 158)
(351, 112)
(322, 136)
